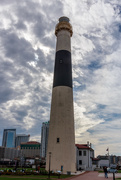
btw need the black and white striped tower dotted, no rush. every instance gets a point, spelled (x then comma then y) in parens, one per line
(61, 140)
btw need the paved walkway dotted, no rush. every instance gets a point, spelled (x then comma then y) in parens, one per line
(94, 176)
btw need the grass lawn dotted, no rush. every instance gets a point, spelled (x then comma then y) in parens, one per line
(32, 177)
(28, 169)
(19, 178)
(119, 171)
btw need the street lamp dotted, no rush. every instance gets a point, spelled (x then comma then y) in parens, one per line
(49, 163)
(113, 175)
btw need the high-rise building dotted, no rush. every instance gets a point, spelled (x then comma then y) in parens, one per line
(44, 138)
(21, 138)
(9, 136)
(61, 139)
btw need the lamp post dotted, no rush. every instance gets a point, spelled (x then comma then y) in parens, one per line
(36, 162)
(49, 164)
(113, 175)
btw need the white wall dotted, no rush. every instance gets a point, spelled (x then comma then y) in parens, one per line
(103, 162)
(86, 160)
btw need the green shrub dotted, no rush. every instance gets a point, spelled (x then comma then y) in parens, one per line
(43, 172)
(28, 173)
(8, 173)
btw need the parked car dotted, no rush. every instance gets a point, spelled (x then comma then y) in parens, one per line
(112, 170)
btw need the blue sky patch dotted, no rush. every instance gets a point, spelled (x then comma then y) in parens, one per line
(94, 65)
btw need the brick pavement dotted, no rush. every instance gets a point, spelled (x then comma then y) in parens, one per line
(91, 176)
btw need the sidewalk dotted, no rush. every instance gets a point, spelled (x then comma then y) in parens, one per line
(93, 176)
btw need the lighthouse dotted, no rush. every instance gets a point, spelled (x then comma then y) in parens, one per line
(61, 154)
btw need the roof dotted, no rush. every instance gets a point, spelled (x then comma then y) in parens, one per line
(95, 159)
(23, 135)
(31, 142)
(83, 146)
(102, 157)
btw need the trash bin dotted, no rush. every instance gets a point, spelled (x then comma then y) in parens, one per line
(68, 172)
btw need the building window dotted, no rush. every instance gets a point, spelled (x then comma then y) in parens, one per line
(61, 61)
(58, 140)
(84, 153)
(80, 153)
(80, 162)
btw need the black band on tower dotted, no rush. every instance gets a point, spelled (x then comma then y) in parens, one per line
(63, 69)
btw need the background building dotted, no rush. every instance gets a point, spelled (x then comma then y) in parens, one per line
(8, 154)
(21, 138)
(44, 138)
(2, 149)
(84, 155)
(111, 160)
(9, 136)
(114, 160)
(30, 149)
(119, 161)
(103, 160)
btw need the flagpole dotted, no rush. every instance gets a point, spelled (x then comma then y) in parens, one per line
(108, 156)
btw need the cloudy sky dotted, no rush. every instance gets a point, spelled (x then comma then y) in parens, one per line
(27, 53)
